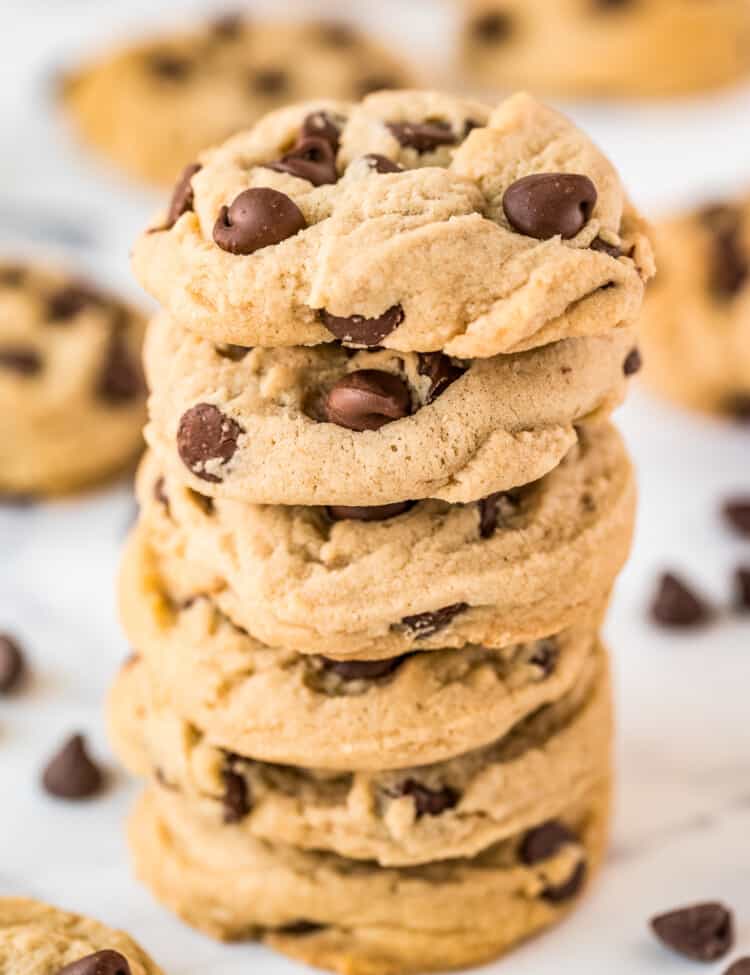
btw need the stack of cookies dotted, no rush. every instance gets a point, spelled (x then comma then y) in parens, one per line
(381, 519)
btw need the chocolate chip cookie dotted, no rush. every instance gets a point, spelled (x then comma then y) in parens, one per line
(606, 47)
(696, 319)
(72, 394)
(152, 106)
(413, 220)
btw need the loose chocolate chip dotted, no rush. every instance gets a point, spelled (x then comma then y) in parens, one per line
(597, 244)
(360, 330)
(677, 605)
(545, 842)
(269, 81)
(546, 205)
(703, 932)
(492, 28)
(311, 159)
(320, 125)
(183, 197)
(206, 438)
(428, 802)
(742, 588)
(738, 407)
(120, 380)
(424, 137)
(633, 362)
(70, 301)
(737, 514)
(299, 929)
(363, 669)
(236, 801)
(257, 218)
(376, 82)
(336, 35)
(740, 967)
(236, 353)
(440, 370)
(160, 493)
(71, 774)
(169, 67)
(381, 512)
(558, 893)
(107, 962)
(367, 400)
(545, 656)
(425, 624)
(11, 664)
(21, 359)
(382, 164)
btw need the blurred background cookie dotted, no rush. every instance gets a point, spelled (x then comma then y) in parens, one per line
(153, 106)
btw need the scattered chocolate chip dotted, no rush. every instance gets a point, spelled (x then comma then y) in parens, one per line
(428, 802)
(236, 353)
(440, 370)
(360, 330)
(257, 218)
(545, 842)
(375, 82)
(12, 276)
(425, 624)
(120, 380)
(546, 205)
(367, 400)
(545, 656)
(738, 407)
(703, 932)
(228, 27)
(742, 588)
(677, 605)
(183, 197)
(633, 362)
(206, 436)
(382, 164)
(11, 664)
(107, 962)
(22, 359)
(236, 801)
(269, 81)
(740, 967)
(167, 66)
(424, 137)
(558, 893)
(299, 929)
(312, 159)
(363, 669)
(69, 301)
(320, 125)
(380, 512)
(160, 493)
(336, 34)
(71, 774)
(597, 244)
(492, 28)
(736, 513)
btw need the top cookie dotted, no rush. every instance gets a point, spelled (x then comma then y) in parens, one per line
(153, 106)
(414, 221)
(37, 939)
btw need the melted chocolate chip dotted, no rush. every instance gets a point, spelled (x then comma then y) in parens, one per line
(676, 605)
(257, 218)
(12, 664)
(597, 244)
(206, 436)
(360, 330)
(425, 624)
(380, 512)
(269, 81)
(183, 197)
(545, 842)
(703, 932)
(235, 353)
(120, 380)
(167, 66)
(545, 656)
(350, 670)
(367, 400)
(312, 159)
(71, 774)
(428, 802)
(320, 125)
(107, 962)
(633, 362)
(440, 370)
(22, 359)
(382, 164)
(236, 801)
(492, 28)
(423, 137)
(546, 205)
(558, 893)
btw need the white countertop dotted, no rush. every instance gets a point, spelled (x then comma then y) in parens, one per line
(684, 745)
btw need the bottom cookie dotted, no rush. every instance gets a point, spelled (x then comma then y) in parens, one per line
(357, 918)
(38, 939)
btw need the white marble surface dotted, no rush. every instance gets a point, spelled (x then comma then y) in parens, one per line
(684, 745)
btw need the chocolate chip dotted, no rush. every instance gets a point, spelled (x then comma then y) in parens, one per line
(703, 932)
(320, 125)
(22, 359)
(382, 164)
(236, 801)
(545, 842)
(546, 205)
(311, 159)
(490, 511)
(183, 197)
(360, 330)
(597, 244)
(380, 512)
(428, 802)
(257, 218)
(167, 66)
(424, 137)
(206, 437)
(336, 35)
(228, 27)
(235, 353)
(367, 400)
(69, 301)
(363, 669)
(740, 967)
(11, 664)
(492, 28)
(425, 624)
(729, 263)
(545, 656)
(107, 962)
(558, 893)
(742, 588)
(737, 514)
(376, 82)
(71, 774)
(269, 81)
(738, 407)
(677, 605)
(299, 929)
(120, 380)
(633, 362)
(440, 370)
